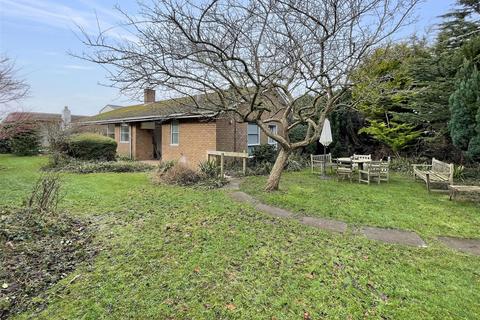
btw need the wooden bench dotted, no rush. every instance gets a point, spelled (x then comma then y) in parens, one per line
(454, 190)
(438, 172)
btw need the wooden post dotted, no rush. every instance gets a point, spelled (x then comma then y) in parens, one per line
(244, 166)
(427, 175)
(222, 162)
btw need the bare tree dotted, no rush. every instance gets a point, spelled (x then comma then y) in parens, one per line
(12, 88)
(256, 59)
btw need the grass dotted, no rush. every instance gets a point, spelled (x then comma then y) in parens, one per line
(400, 204)
(180, 253)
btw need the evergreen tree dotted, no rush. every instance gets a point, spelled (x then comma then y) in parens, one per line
(464, 106)
(474, 145)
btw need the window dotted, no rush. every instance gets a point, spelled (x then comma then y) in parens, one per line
(174, 132)
(253, 136)
(111, 131)
(273, 129)
(124, 133)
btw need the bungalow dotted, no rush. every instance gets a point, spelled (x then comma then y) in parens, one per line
(41, 121)
(175, 129)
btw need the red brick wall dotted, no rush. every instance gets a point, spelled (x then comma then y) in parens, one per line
(232, 136)
(195, 139)
(123, 149)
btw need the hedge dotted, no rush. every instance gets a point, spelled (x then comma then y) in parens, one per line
(91, 146)
(25, 143)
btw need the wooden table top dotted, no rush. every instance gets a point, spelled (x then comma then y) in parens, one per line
(464, 188)
(348, 160)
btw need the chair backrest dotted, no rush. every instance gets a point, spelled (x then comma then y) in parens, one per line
(443, 168)
(322, 157)
(344, 165)
(374, 166)
(362, 157)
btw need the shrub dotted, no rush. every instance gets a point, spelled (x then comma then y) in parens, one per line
(179, 174)
(25, 143)
(45, 194)
(260, 169)
(209, 169)
(84, 167)
(92, 146)
(164, 166)
(264, 153)
(5, 146)
(296, 162)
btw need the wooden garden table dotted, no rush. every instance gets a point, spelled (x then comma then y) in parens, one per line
(455, 189)
(360, 162)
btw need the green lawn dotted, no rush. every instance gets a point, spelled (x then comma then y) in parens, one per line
(400, 204)
(180, 253)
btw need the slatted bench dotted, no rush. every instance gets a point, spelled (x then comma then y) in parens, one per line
(454, 190)
(438, 172)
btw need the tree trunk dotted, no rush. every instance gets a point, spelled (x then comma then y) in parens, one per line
(276, 173)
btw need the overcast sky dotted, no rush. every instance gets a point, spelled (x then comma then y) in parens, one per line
(38, 34)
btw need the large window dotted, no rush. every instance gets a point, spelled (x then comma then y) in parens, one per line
(273, 129)
(253, 136)
(124, 133)
(111, 131)
(174, 132)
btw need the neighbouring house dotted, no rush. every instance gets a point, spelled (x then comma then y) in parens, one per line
(41, 121)
(109, 107)
(175, 129)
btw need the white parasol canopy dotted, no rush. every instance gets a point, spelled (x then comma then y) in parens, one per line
(326, 136)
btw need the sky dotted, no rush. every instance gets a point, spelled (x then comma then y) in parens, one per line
(40, 34)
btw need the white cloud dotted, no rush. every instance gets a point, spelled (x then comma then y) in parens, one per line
(61, 16)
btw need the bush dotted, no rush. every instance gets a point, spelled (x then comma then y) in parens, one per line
(296, 162)
(264, 153)
(164, 166)
(84, 167)
(5, 146)
(45, 194)
(91, 146)
(179, 174)
(25, 143)
(209, 169)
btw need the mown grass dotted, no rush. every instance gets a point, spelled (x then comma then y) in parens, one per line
(401, 203)
(180, 253)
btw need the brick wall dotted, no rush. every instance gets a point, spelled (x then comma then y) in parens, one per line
(195, 139)
(123, 149)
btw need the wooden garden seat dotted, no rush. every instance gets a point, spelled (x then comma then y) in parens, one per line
(371, 172)
(344, 170)
(438, 172)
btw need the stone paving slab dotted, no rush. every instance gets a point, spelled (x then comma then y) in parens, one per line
(274, 211)
(233, 184)
(394, 236)
(325, 224)
(471, 246)
(243, 197)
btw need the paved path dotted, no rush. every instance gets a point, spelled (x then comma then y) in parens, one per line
(394, 236)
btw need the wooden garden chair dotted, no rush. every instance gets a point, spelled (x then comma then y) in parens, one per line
(344, 170)
(371, 172)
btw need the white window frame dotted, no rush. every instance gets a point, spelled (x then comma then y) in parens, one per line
(274, 129)
(121, 135)
(172, 125)
(258, 134)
